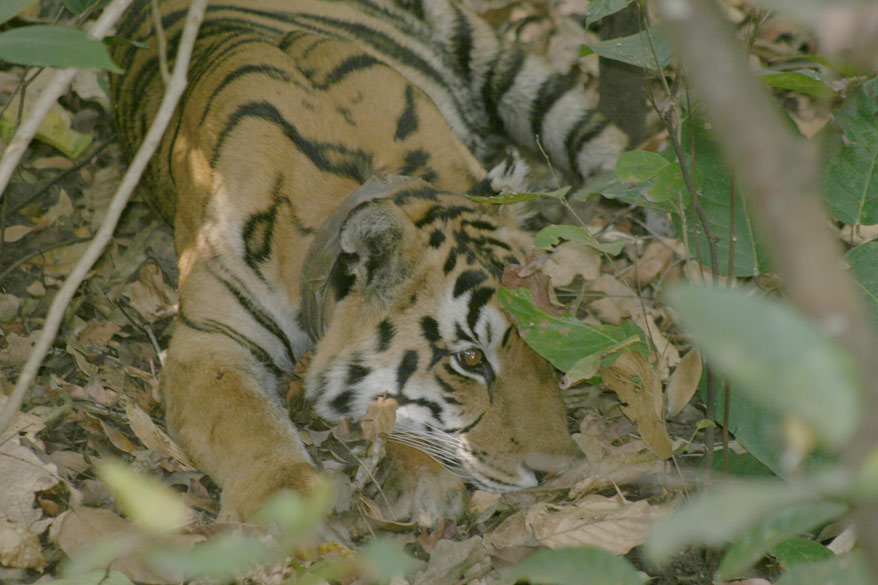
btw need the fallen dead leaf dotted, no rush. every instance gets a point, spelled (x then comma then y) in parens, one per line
(99, 332)
(571, 259)
(684, 382)
(529, 276)
(156, 439)
(380, 418)
(20, 545)
(655, 259)
(18, 348)
(16, 232)
(149, 294)
(639, 388)
(118, 438)
(36, 289)
(60, 261)
(451, 560)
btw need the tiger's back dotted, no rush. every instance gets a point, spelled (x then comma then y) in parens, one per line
(286, 115)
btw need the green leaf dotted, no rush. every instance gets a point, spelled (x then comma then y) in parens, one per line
(718, 516)
(742, 464)
(863, 261)
(668, 185)
(386, 561)
(849, 569)
(551, 236)
(294, 513)
(563, 340)
(636, 49)
(54, 46)
(798, 550)
(598, 9)
(151, 505)
(780, 358)
(102, 577)
(850, 179)
(639, 166)
(713, 183)
(221, 557)
(804, 81)
(574, 566)
(78, 6)
(9, 8)
(756, 542)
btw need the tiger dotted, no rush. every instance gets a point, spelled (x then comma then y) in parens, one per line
(318, 173)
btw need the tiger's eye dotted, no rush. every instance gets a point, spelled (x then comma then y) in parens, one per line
(471, 358)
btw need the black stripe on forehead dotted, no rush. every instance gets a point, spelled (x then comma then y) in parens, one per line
(477, 301)
(467, 280)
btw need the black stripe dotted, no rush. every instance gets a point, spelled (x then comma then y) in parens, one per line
(342, 402)
(356, 373)
(437, 237)
(345, 68)
(386, 331)
(434, 407)
(421, 192)
(468, 279)
(272, 72)
(430, 327)
(479, 299)
(406, 368)
(550, 92)
(334, 158)
(506, 336)
(500, 79)
(407, 123)
(442, 212)
(461, 41)
(215, 327)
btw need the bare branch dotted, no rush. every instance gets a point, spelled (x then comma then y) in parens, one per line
(117, 205)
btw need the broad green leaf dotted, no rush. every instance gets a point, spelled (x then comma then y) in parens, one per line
(804, 81)
(79, 6)
(848, 569)
(221, 557)
(798, 550)
(562, 340)
(598, 9)
(639, 166)
(9, 8)
(720, 515)
(637, 50)
(587, 367)
(386, 561)
(294, 513)
(54, 46)
(54, 130)
(863, 261)
(850, 179)
(95, 578)
(149, 504)
(713, 183)
(668, 185)
(551, 236)
(756, 542)
(574, 566)
(780, 358)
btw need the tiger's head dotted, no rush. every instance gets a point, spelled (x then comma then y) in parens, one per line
(416, 318)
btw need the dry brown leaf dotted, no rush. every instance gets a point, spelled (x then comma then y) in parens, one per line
(380, 418)
(99, 192)
(78, 529)
(16, 232)
(60, 261)
(149, 294)
(571, 259)
(52, 162)
(9, 306)
(36, 289)
(18, 348)
(71, 461)
(451, 560)
(607, 523)
(684, 382)
(641, 398)
(118, 438)
(20, 545)
(529, 276)
(656, 258)
(99, 332)
(156, 439)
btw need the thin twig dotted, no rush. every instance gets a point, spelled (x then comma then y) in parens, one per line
(117, 205)
(162, 42)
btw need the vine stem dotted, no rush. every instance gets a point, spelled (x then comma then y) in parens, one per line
(117, 205)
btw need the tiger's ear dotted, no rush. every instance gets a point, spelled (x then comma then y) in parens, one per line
(371, 238)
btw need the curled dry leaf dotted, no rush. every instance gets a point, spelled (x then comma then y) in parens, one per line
(99, 332)
(656, 258)
(607, 523)
(149, 294)
(380, 418)
(530, 277)
(60, 261)
(156, 439)
(18, 348)
(639, 388)
(684, 382)
(451, 560)
(571, 259)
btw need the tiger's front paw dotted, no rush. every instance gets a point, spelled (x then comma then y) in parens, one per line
(242, 498)
(420, 489)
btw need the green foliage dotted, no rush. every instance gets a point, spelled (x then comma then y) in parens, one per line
(850, 569)
(804, 81)
(9, 8)
(782, 360)
(552, 235)
(798, 550)
(95, 578)
(565, 340)
(575, 566)
(851, 176)
(864, 265)
(54, 46)
(636, 49)
(598, 9)
(778, 527)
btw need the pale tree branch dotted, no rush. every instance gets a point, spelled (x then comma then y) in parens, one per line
(117, 205)
(54, 89)
(779, 175)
